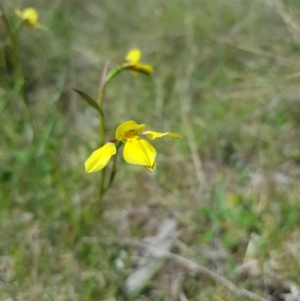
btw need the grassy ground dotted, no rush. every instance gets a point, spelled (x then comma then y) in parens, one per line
(226, 77)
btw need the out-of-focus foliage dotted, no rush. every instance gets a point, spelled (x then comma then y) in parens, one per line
(226, 76)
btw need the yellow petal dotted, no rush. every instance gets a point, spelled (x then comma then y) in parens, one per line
(132, 58)
(100, 157)
(174, 135)
(138, 151)
(143, 68)
(153, 135)
(129, 129)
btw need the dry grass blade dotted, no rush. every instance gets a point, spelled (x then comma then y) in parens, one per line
(191, 141)
(292, 26)
(183, 92)
(176, 286)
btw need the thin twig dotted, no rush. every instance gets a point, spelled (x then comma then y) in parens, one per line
(194, 267)
(153, 259)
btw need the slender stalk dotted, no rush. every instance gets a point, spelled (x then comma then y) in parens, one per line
(18, 70)
(112, 173)
(102, 184)
(103, 83)
(12, 41)
(102, 128)
(101, 115)
(102, 86)
(114, 169)
(113, 73)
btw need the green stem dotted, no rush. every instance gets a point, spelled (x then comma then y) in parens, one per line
(102, 132)
(101, 94)
(113, 73)
(106, 78)
(100, 102)
(18, 70)
(114, 169)
(102, 184)
(12, 41)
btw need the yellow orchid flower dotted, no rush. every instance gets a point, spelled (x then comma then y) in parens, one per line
(132, 62)
(29, 17)
(136, 151)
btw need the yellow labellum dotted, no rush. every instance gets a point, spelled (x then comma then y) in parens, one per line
(139, 152)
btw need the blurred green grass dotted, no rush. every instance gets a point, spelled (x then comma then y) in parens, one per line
(231, 69)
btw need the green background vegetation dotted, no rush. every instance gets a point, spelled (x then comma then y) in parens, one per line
(226, 76)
